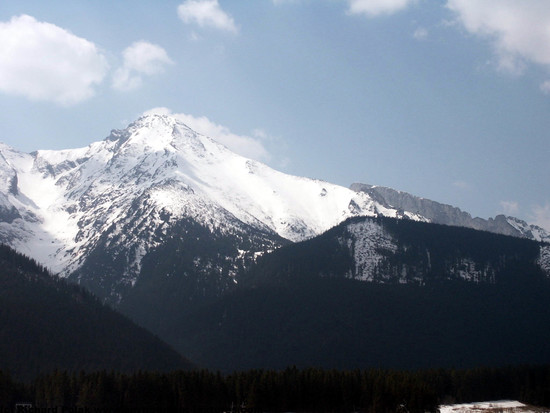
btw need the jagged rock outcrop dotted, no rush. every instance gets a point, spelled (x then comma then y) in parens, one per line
(448, 215)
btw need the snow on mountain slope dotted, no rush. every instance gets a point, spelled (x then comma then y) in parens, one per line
(22, 223)
(372, 247)
(369, 244)
(544, 258)
(59, 203)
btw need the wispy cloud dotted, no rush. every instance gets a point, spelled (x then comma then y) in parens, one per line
(206, 13)
(421, 33)
(509, 207)
(141, 58)
(377, 7)
(248, 146)
(518, 30)
(462, 185)
(42, 61)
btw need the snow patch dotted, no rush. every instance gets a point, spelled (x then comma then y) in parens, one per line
(368, 243)
(544, 258)
(503, 406)
(467, 269)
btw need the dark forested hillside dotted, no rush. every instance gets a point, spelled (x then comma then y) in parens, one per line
(437, 296)
(193, 267)
(427, 253)
(350, 324)
(296, 306)
(46, 323)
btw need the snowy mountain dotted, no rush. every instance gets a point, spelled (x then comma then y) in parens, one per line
(94, 213)
(123, 195)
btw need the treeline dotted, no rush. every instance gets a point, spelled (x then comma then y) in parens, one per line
(16, 262)
(276, 391)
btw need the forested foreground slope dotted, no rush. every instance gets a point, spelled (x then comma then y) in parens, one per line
(47, 324)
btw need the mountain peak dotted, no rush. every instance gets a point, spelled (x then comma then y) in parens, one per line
(162, 133)
(159, 125)
(158, 122)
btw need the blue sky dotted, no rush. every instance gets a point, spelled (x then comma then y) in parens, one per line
(445, 99)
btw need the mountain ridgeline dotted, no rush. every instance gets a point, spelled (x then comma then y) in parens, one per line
(236, 265)
(439, 213)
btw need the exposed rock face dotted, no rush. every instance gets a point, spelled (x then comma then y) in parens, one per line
(448, 215)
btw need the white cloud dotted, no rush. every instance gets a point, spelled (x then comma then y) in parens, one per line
(194, 37)
(420, 33)
(541, 216)
(377, 7)
(509, 207)
(518, 30)
(260, 134)
(141, 58)
(250, 147)
(42, 61)
(206, 13)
